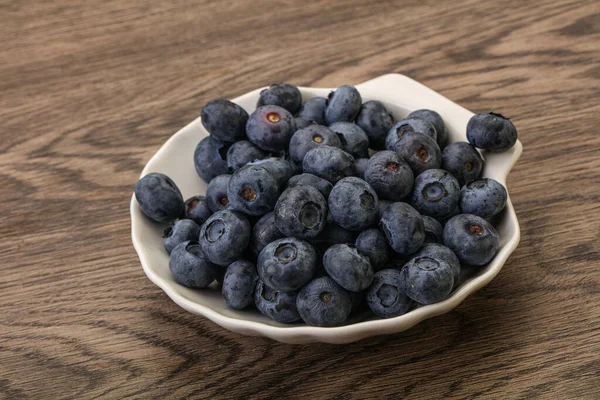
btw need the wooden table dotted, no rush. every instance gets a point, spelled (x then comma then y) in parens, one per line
(90, 90)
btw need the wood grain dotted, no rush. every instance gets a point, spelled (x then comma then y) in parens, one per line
(90, 90)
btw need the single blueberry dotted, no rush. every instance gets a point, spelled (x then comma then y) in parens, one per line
(210, 158)
(275, 304)
(180, 231)
(386, 296)
(484, 197)
(348, 268)
(323, 303)
(433, 229)
(441, 252)
(403, 228)
(323, 186)
(353, 204)
(270, 128)
(419, 151)
(241, 153)
(436, 193)
(287, 264)
(389, 175)
(280, 168)
(343, 104)
(283, 95)
(197, 209)
(225, 236)
(313, 109)
(372, 244)
(216, 193)
(474, 240)
(224, 120)
(360, 166)
(330, 163)
(463, 161)
(159, 198)
(428, 280)
(309, 138)
(437, 121)
(353, 140)
(491, 131)
(252, 190)
(190, 267)
(264, 232)
(239, 284)
(301, 123)
(376, 121)
(413, 125)
(301, 211)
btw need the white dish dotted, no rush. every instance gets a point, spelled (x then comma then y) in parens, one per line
(175, 159)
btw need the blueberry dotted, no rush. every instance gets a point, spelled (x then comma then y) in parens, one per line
(313, 109)
(224, 120)
(330, 163)
(277, 305)
(159, 198)
(403, 228)
(386, 296)
(239, 284)
(372, 244)
(383, 204)
(376, 121)
(360, 166)
(389, 175)
(436, 120)
(474, 240)
(301, 211)
(463, 161)
(428, 280)
(264, 232)
(309, 138)
(441, 252)
(241, 153)
(491, 131)
(301, 123)
(343, 105)
(180, 231)
(252, 190)
(323, 186)
(433, 229)
(210, 158)
(283, 95)
(287, 264)
(435, 193)
(419, 151)
(190, 267)
(225, 236)
(348, 268)
(279, 167)
(353, 204)
(413, 125)
(484, 197)
(196, 209)
(216, 193)
(353, 140)
(270, 128)
(323, 303)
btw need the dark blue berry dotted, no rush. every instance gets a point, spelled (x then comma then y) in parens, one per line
(376, 121)
(433, 229)
(353, 140)
(474, 240)
(287, 264)
(283, 95)
(330, 163)
(279, 167)
(436, 193)
(420, 151)
(428, 280)
(360, 166)
(239, 284)
(372, 244)
(441, 252)
(463, 161)
(180, 231)
(216, 193)
(413, 125)
(389, 175)
(252, 190)
(491, 131)
(264, 232)
(196, 209)
(323, 303)
(484, 197)
(437, 121)
(349, 268)
(320, 184)
(225, 236)
(313, 109)
(386, 296)
(275, 304)
(190, 267)
(224, 120)
(241, 153)
(210, 158)
(270, 128)
(301, 211)
(403, 228)
(159, 198)
(383, 204)
(343, 105)
(353, 204)
(301, 123)
(309, 138)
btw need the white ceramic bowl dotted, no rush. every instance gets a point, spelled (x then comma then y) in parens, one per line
(175, 159)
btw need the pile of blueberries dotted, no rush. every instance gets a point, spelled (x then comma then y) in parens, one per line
(316, 210)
